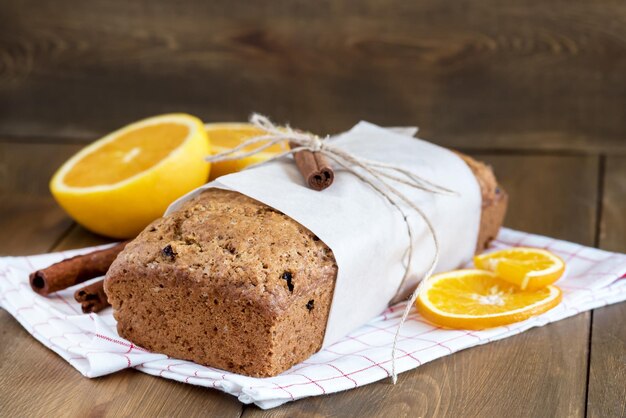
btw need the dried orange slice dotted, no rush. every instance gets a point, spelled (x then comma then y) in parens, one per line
(226, 136)
(478, 299)
(120, 183)
(529, 268)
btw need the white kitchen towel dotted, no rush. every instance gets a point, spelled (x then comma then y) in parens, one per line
(91, 344)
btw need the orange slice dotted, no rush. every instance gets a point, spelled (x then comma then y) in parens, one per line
(478, 299)
(529, 268)
(120, 183)
(226, 136)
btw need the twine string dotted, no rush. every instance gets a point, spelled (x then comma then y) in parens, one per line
(373, 173)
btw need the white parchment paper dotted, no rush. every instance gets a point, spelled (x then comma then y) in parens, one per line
(366, 233)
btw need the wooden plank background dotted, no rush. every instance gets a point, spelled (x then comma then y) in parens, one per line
(529, 74)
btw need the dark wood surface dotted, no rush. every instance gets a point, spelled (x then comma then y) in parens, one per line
(607, 374)
(529, 74)
(571, 368)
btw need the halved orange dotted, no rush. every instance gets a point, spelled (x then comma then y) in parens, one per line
(529, 268)
(120, 183)
(478, 299)
(226, 136)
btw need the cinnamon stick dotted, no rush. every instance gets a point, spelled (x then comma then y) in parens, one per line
(92, 297)
(74, 270)
(315, 168)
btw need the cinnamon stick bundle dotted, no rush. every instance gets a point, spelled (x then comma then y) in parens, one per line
(74, 270)
(314, 167)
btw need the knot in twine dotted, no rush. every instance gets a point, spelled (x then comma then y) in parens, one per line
(376, 174)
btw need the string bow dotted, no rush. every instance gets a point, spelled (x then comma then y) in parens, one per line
(377, 175)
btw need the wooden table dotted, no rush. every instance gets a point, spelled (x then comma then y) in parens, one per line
(574, 367)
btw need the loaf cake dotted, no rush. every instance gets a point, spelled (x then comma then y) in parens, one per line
(228, 282)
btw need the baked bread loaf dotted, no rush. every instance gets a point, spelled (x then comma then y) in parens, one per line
(228, 282)
(494, 202)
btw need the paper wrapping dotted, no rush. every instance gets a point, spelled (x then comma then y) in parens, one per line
(367, 234)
